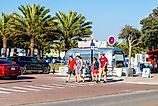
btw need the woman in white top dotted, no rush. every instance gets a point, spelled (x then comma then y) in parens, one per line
(79, 66)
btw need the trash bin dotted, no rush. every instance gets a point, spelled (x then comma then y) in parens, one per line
(130, 72)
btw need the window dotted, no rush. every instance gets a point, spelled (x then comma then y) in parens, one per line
(5, 62)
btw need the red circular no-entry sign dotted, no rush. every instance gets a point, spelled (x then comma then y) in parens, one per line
(111, 40)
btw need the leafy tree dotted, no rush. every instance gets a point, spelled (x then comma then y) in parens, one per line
(132, 37)
(135, 50)
(71, 25)
(150, 29)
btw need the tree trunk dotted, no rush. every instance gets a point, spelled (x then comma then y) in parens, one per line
(4, 46)
(9, 51)
(39, 54)
(67, 45)
(42, 53)
(15, 51)
(32, 44)
(0, 51)
(129, 56)
(26, 51)
(59, 53)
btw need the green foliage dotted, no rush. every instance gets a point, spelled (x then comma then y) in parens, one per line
(71, 25)
(33, 22)
(34, 27)
(150, 29)
(132, 37)
(5, 30)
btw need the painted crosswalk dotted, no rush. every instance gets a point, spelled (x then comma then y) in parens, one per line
(40, 87)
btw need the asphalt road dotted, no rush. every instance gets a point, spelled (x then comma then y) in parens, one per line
(141, 98)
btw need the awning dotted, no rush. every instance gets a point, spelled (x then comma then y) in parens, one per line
(154, 52)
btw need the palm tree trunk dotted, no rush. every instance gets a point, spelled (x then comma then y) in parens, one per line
(39, 54)
(67, 45)
(26, 51)
(59, 53)
(0, 51)
(15, 51)
(32, 44)
(9, 51)
(42, 53)
(5, 46)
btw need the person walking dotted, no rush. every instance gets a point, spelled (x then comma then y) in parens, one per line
(103, 66)
(95, 68)
(71, 69)
(79, 66)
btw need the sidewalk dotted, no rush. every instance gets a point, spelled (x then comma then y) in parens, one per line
(139, 80)
(134, 80)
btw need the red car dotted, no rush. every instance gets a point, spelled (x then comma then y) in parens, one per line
(9, 69)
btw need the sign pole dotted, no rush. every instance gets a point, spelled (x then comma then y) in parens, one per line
(92, 48)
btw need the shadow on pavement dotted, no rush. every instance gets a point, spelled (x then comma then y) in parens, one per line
(7, 80)
(114, 80)
(25, 77)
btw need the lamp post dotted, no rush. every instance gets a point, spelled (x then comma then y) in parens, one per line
(92, 45)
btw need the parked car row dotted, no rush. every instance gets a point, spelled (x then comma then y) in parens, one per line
(17, 65)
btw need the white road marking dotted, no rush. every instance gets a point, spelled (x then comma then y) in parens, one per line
(52, 86)
(13, 90)
(5, 92)
(37, 87)
(29, 89)
(62, 85)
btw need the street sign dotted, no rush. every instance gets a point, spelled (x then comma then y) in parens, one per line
(92, 45)
(111, 40)
(146, 73)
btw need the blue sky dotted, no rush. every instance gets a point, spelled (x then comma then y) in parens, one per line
(108, 16)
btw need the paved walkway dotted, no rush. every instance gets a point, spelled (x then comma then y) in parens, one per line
(139, 80)
(135, 80)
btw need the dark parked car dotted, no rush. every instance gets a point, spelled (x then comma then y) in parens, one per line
(53, 60)
(30, 64)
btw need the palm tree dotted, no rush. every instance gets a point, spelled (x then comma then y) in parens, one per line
(59, 46)
(71, 25)
(34, 19)
(41, 44)
(5, 31)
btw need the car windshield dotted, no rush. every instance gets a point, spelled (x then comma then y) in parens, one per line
(34, 59)
(5, 62)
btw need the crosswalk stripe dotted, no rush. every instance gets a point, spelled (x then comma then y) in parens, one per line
(37, 87)
(62, 85)
(52, 86)
(27, 88)
(30, 89)
(13, 90)
(5, 92)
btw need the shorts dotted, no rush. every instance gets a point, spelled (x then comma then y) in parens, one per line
(78, 71)
(95, 71)
(102, 71)
(71, 72)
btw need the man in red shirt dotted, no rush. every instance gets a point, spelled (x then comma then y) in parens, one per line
(72, 67)
(103, 65)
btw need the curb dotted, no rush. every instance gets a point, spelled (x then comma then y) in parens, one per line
(147, 83)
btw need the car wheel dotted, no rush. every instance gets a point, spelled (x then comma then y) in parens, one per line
(23, 70)
(13, 77)
(46, 70)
